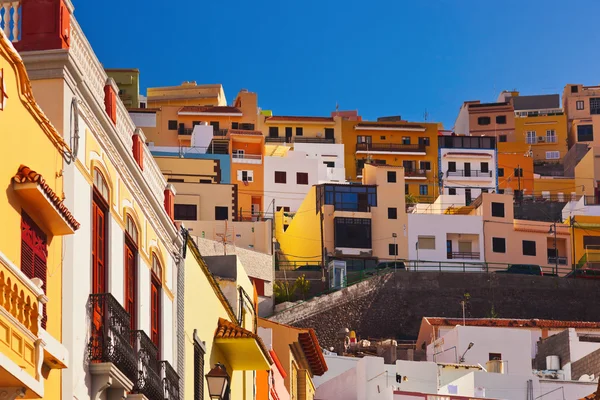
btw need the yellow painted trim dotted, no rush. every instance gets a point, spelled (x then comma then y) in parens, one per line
(129, 211)
(96, 164)
(86, 174)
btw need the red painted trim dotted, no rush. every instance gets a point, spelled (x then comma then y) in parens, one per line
(277, 363)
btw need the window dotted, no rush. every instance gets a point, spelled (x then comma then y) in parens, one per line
(529, 248)
(175, 180)
(495, 356)
(198, 371)
(352, 233)
(500, 172)
(186, 212)
(424, 141)
(172, 125)
(502, 138)
(498, 245)
(235, 125)
(329, 164)
(452, 191)
(280, 177)
(215, 125)
(155, 293)
(530, 137)
(425, 165)
(579, 105)
(34, 254)
(329, 133)
(552, 155)
(483, 120)
(131, 240)
(405, 188)
(364, 139)
(498, 210)
(221, 213)
(485, 167)
(284, 208)
(393, 249)
(245, 176)
(595, 105)
(100, 185)
(406, 140)
(501, 119)
(452, 166)
(423, 190)
(299, 131)
(518, 172)
(551, 136)
(273, 131)
(574, 89)
(426, 243)
(206, 181)
(392, 213)
(288, 131)
(391, 176)
(585, 133)
(302, 178)
(99, 239)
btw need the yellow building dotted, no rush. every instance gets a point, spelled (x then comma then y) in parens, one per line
(297, 129)
(34, 220)
(413, 146)
(128, 81)
(220, 326)
(188, 94)
(359, 224)
(300, 355)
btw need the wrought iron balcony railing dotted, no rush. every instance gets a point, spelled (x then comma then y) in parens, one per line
(148, 380)
(463, 255)
(170, 381)
(110, 340)
(475, 173)
(391, 147)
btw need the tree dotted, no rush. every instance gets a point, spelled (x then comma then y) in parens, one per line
(283, 291)
(303, 285)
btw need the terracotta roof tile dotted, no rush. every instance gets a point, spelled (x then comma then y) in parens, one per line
(211, 109)
(27, 175)
(312, 350)
(229, 330)
(297, 118)
(517, 323)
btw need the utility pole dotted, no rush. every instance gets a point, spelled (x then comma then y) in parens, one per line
(553, 230)
(519, 179)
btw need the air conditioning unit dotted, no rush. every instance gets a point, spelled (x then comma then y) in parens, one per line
(541, 139)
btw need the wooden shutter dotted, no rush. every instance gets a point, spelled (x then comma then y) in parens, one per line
(130, 285)
(98, 250)
(198, 372)
(155, 313)
(34, 254)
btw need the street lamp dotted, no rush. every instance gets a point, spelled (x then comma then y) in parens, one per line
(218, 381)
(394, 235)
(462, 358)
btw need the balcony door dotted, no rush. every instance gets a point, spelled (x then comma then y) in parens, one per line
(131, 251)
(467, 169)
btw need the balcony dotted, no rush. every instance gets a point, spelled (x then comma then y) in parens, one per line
(415, 173)
(591, 201)
(238, 158)
(170, 381)
(302, 139)
(390, 148)
(557, 260)
(462, 255)
(110, 344)
(185, 131)
(473, 173)
(148, 382)
(270, 139)
(351, 206)
(220, 132)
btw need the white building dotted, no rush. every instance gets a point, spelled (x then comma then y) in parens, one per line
(468, 166)
(120, 271)
(289, 174)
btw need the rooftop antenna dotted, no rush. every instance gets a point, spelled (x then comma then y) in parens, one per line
(425, 115)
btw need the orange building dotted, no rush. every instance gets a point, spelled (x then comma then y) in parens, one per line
(247, 171)
(515, 168)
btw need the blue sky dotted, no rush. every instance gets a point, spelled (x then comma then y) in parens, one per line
(382, 57)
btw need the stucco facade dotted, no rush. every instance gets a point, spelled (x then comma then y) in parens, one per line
(188, 93)
(128, 81)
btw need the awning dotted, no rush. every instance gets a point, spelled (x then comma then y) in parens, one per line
(244, 350)
(42, 203)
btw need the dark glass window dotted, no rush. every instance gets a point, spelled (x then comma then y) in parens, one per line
(498, 245)
(452, 166)
(186, 212)
(302, 178)
(485, 167)
(352, 233)
(585, 133)
(393, 249)
(498, 210)
(391, 176)
(392, 213)
(502, 138)
(500, 171)
(221, 213)
(273, 131)
(280, 177)
(501, 119)
(529, 248)
(351, 197)
(452, 191)
(172, 125)
(424, 141)
(235, 125)
(518, 172)
(299, 131)
(483, 120)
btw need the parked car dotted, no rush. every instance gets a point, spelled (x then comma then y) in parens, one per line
(584, 273)
(523, 269)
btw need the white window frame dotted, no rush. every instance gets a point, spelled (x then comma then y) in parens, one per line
(551, 136)
(530, 137)
(249, 176)
(553, 155)
(578, 103)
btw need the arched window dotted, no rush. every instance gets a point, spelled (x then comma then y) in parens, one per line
(131, 245)
(131, 230)
(100, 184)
(155, 302)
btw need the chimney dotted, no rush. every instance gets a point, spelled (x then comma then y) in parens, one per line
(139, 140)
(170, 201)
(45, 25)
(110, 99)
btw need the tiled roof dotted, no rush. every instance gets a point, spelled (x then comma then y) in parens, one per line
(389, 125)
(310, 345)
(292, 118)
(211, 109)
(589, 397)
(229, 330)
(27, 175)
(508, 323)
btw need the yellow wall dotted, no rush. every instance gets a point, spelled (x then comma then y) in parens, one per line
(540, 125)
(189, 169)
(302, 239)
(349, 137)
(587, 173)
(187, 94)
(128, 81)
(554, 185)
(584, 225)
(27, 142)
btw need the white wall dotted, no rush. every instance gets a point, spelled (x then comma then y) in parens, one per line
(326, 152)
(475, 183)
(116, 258)
(420, 376)
(202, 135)
(336, 365)
(510, 343)
(461, 125)
(143, 120)
(439, 226)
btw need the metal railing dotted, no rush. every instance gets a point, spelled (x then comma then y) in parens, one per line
(415, 173)
(148, 380)
(473, 173)
(110, 339)
(348, 206)
(557, 260)
(298, 265)
(391, 147)
(185, 131)
(302, 139)
(591, 201)
(220, 132)
(463, 255)
(245, 156)
(170, 381)
(271, 139)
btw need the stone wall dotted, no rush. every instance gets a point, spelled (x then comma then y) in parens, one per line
(392, 306)
(555, 345)
(589, 364)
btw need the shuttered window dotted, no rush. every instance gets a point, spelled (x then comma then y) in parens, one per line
(198, 372)
(131, 235)
(34, 254)
(155, 292)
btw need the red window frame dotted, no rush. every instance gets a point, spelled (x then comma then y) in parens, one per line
(130, 268)
(155, 301)
(34, 254)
